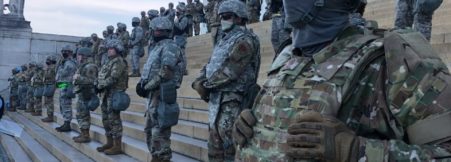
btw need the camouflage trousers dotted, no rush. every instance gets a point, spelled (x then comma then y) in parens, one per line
(14, 100)
(49, 105)
(22, 96)
(220, 143)
(407, 15)
(157, 139)
(66, 108)
(30, 99)
(278, 33)
(83, 114)
(37, 104)
(136, 53)
(111, 120)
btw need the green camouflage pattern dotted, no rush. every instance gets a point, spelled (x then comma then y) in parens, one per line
(38, 82)
(49, 79)
(357, 79)
(84, 88)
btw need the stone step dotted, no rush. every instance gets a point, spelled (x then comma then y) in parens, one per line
(63, 151)
(13, 150)
(137, 147)
(88, 149)
(35, 151)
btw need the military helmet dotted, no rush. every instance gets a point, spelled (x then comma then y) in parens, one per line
(51, 58)
(120, 101)
(121, 26)
(116, 44)
(84, 51)
(32, 64)
(153, 13)
(40, 65)
(110, 28)
(161, 23)
(135, 20)
(181, 7)
(24, 67)
(93, 103)
(67, 48)
(234, 6)
(93, 35)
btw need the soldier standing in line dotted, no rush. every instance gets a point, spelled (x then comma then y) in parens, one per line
(14, 89)
(37, 81)
(30, 90)
(190, 12)
(161, 77)
(198, 15)
(152, 15)
(209, 13)
(162, 12)
(112, 78)
(181, 30)
(145, 22)
(96, 42)
(66, 69)
(170, 12)
(23, 87)
(216, 23)
(50, 83)
(229, 79)
(84, 80)
(416, 14)
(352, 94)
(124, 36)
(254, 7)
(280, 32)
(136, 44)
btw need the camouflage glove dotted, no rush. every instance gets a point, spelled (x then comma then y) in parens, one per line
(323, 138)
(153, 84)
(198, 86)
(242, 130)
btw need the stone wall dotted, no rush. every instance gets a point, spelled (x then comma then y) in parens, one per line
(20, 46)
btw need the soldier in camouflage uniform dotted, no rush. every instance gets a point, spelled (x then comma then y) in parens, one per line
(163, 66)
(124, 36)
(14, 89)
(30, 90)
(136, 44)
(228, 78)
(145, 22)
(190, 12)
(107, 37)
(254, 7)
(23, 87)
(280, 32)
(181, 30)
(95, 49)
(198, 14)
(215, 22)
(37, 81)
(152, 15)
(50, 82)
(209, 13)
(162, 12)
(112, 77)
(416, 14)
(84, 87)
(170, 12)
(351, 95)
(65, 71)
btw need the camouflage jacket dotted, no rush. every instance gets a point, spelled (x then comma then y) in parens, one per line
(14, 83)
(171, 14)
(145, 23)
(28, 75)
(164, 53)
(38, 78)
(215, 18)
(95, 46)
(366, 81)
(190, 9)
(114, 74)
(209, 10)
(66, 70)
(84, 83)
(50, 74)
(198, 11)
(136, 39)
(181, 27)
(124, 37)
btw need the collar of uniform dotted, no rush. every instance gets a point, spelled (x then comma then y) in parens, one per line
(329, 50)
(235, 29)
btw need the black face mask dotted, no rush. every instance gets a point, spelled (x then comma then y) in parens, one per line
(135, 24)
(65, 55)
(48, 63)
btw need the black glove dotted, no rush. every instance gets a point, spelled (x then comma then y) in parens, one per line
(140, 90)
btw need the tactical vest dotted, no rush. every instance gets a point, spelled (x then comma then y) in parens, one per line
(105, 72)
(66, 76)
(221, 53)
(85, 91)
(49, 75)
(183, 31)
(330, 83)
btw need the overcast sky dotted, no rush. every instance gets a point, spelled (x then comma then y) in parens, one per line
(83, 17)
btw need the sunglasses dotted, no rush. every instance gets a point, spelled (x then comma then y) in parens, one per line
(227, 16)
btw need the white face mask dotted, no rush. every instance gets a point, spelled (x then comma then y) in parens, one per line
(226, 25)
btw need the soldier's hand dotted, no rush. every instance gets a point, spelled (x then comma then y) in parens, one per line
(242, 130)
(203, 92)
(318, 137)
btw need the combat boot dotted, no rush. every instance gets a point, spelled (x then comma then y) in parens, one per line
(117, 147)
(83, 137)
(48, 119)
(64, 128)
(108, 145)
(36, 113)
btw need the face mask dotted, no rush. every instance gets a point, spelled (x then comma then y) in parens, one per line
(226, 25)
